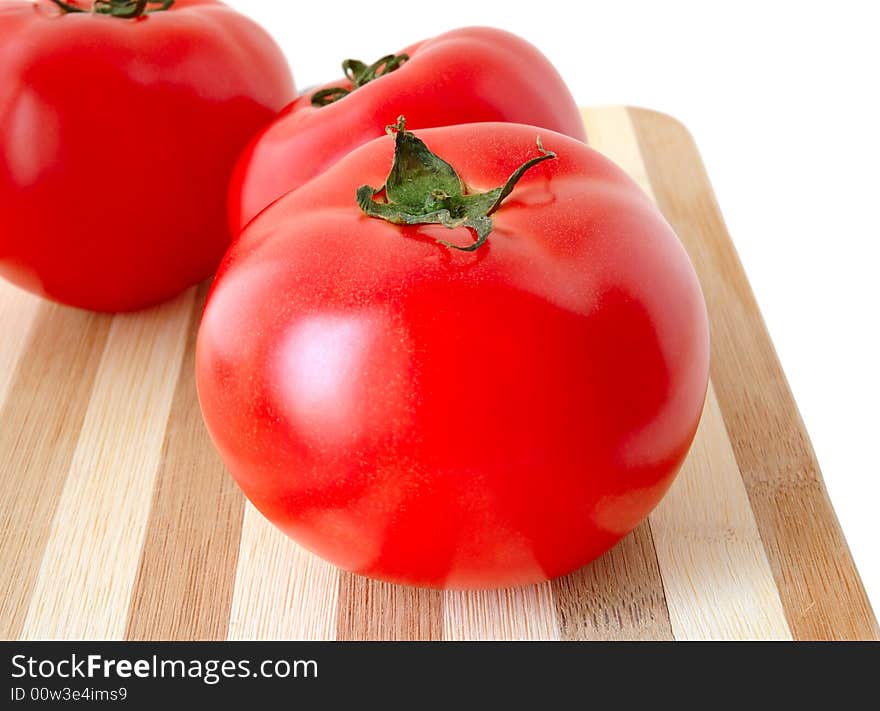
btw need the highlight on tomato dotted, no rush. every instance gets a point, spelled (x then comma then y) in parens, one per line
(120, 124)
(467, 75)
(465, 357)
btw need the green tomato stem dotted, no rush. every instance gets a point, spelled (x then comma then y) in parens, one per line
(423, 189)
(359, 74)
(124, 9)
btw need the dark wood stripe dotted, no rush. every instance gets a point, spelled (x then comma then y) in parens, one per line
(40, 424)
(616, 597)
(818, 582)
(184, 585)
(374, 611)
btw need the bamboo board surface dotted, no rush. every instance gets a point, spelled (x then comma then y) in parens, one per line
(118, 520)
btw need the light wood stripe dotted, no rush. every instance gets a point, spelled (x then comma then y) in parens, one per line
(717, 578)
(282, 592)
(98, 529)
(18, 309)
(525, 613)
(370, 610)
(742, 566)
(184, 584)
(619, 596)
(818, 582)
(39, 427)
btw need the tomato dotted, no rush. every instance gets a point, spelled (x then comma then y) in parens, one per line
(464, 76)
(429, 415)
(118, 135)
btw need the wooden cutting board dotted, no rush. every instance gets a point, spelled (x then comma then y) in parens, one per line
(118, 520)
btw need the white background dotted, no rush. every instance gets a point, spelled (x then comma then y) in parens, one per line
(782, 99)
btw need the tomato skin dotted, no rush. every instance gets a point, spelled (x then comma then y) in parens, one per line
(117, 140)
(468, 75)
(448, 419)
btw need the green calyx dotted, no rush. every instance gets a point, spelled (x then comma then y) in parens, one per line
(423, 189)
(125, 9)
(359, 74)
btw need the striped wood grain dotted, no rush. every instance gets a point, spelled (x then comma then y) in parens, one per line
(85, 580)
(370, 610)
(817, 579)
(183, 589)
(616, 597)
(118, 519)
(281, 590)
(40, 425)
(716, 576)
(525, 613)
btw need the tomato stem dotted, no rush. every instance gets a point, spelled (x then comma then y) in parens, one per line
(359, 74)
(125, 9)
(422, 189)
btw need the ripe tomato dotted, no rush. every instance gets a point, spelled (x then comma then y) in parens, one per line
(446, 418)
(464, 76)
(118, 135)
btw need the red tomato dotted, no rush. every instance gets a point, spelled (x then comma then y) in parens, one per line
(457, 419)
(117, 139)
(464, 76)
